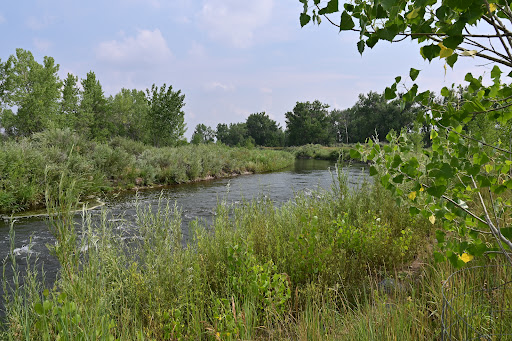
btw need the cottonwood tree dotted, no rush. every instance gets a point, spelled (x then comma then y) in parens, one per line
(264, 131)
(166, 119)
(30, 91)
(308, 123)
(464, 181)
(203, 134)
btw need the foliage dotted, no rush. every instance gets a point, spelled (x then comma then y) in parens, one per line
(29, 166)
(464, 180)
(166, 116)
(307, 123)
(33, 89)
(373, 115)
(256, 271)
(203, 134)
(264, 131)
(233, 135)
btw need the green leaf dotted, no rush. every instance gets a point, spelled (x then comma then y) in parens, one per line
(436, 191)
(346, 22)
(360, 46)
(38, 307)
(452, 59)
(389, 93)
(496, 72)
(332, 7)
(355, 154)
(453, 41)
(373, 171)
(430, 51)
(440, 235)
(304, 19)
(439, 257)
(387, 4)
(413, 73)
(413, 210)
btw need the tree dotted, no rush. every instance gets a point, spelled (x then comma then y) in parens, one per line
(129, 113)
(31, 91)
(69, 104)
(373, 115)
(92, 119)
(203, 134)
(462, 181)
(308, 123)
(264, 131)
(166, 118)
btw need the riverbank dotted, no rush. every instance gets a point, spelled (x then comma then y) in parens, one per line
(32, 166)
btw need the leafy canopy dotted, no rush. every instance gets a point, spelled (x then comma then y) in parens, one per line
(463, 182)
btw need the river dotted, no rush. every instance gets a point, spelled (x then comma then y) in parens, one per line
(196, 201)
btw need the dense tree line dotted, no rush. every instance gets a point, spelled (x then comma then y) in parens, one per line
(313, 123)
(33, 98)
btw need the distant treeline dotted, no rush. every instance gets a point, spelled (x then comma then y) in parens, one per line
(313, 123)
(33, 99)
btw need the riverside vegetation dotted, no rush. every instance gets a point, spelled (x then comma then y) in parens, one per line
(307, 270)
(328, 266)
(34, 164)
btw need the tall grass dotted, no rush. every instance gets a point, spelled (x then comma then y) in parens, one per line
(311, 269)
(29, 165)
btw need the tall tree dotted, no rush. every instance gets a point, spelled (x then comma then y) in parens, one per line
(92, 119)
(166, 118)
(69, 104)
(32, 91)
(264, 131)
(308, 123)
(203, 134)
(129, 114)
(373, 115)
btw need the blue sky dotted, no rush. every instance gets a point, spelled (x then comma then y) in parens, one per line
(230, 58)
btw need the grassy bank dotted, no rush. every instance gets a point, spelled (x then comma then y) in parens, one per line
(312, 270)
(317, 151)
(30, 165)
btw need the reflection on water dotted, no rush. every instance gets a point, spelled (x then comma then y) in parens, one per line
(195, 200)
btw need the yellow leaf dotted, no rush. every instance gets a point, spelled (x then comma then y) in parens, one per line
(445, 52)
(412, 195)
(470, 53)
(492, 7)
(465, 257)
(413, 14)
(432, 219)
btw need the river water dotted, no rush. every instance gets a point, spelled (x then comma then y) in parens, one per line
(196, 201)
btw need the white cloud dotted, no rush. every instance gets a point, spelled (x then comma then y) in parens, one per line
(147, 48)
(42, 45)
(235, 22)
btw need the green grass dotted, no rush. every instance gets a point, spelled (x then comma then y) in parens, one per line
(29, 166)
(316, 151)
(307, 270)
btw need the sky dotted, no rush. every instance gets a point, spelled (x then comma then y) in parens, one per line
(230, 58)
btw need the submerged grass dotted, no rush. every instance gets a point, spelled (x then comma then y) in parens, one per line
(30, 165)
